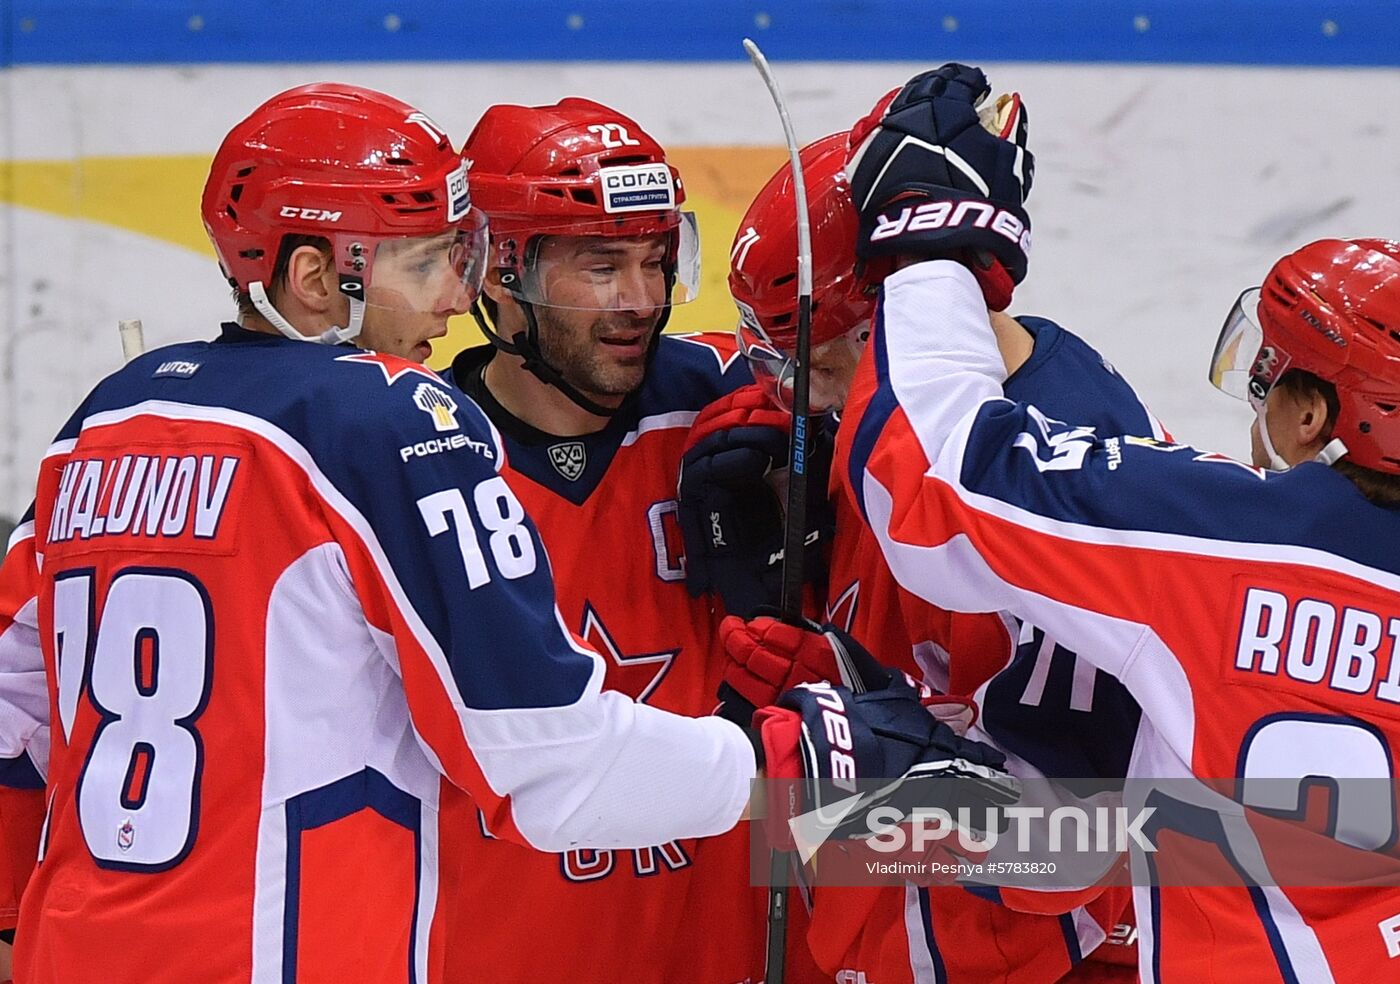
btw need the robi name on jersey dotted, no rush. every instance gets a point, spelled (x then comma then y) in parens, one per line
(1345, 647)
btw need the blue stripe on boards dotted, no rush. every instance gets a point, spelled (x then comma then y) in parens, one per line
(1247, 32)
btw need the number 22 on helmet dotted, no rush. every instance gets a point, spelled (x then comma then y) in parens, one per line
(585, 216)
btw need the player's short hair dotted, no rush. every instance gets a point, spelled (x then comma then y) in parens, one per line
(1379, 487)
(290, 244)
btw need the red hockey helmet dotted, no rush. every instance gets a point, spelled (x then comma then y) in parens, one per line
(1332, 309)
(763, 265)
(346, 163)
(576, 169)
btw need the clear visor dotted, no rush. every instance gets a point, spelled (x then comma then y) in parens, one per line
(1242, 366)
(833, 366)
(431, 274)
(638, 264)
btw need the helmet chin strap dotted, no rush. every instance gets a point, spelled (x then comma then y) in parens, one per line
(1330, 454)
(333, 335)
(520, 345)
(1334, 450)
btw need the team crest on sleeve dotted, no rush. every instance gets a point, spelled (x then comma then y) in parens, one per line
(569, 459)
(438, 405)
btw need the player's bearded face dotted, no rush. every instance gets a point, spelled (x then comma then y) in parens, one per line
(601, 300)
(601, 353)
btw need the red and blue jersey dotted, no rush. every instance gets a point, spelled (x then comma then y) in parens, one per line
(1251, 616)
(277, 592)
(24, 720)
(605, 504)
(1035, 702)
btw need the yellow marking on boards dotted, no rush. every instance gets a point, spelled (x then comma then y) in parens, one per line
(159, 197)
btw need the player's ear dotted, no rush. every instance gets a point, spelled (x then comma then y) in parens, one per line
(1308, 417)
(311, 279)
(1312, 421)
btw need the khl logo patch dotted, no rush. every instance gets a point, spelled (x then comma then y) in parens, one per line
(569, 459)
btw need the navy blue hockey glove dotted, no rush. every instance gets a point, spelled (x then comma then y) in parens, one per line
(883, 749)
(730, 515)
(933, 178)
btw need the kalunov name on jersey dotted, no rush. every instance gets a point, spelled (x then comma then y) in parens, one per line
(261, 634)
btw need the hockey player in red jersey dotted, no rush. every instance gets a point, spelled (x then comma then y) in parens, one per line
(1248, 607)
(916, 933)
(271, 593)
(590, 248)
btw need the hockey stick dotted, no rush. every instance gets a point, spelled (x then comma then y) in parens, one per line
(795, 529)
(133, 342)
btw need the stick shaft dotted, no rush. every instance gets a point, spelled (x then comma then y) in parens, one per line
(795, 530)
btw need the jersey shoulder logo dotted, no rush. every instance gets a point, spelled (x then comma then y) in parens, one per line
(1213, 457)
(569, 459)
(438, 405)
(176, 369)
(393, 367)
(1068, 446)
(721, 345)
(1155, 444)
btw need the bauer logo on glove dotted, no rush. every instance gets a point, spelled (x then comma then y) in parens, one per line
(851, 754)
(939, 215)
(936, 175)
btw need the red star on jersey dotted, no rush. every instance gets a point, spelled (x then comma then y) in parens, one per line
(654, 666)
(722, 346)
(393, 367)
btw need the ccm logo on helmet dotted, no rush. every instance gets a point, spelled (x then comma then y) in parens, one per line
(838, 732)
(940, 215)
(310, 214)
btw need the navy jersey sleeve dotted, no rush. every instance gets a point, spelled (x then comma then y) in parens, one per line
(1068, 379)
(501, 694)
